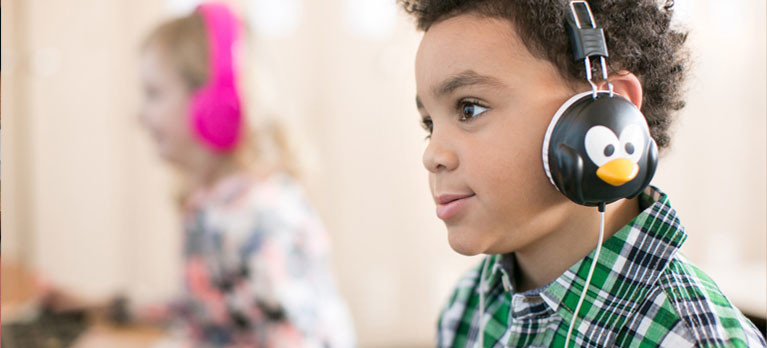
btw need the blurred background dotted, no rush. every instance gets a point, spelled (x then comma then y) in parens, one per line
(88, 206)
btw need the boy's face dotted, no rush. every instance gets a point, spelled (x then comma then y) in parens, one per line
(488, 102)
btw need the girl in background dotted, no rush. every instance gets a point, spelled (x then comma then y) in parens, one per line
(256, 269)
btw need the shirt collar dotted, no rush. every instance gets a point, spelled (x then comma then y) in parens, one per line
(629, 264)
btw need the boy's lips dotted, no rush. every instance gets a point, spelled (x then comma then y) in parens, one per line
(448, 205)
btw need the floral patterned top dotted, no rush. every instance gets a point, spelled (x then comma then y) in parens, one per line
(256, 270)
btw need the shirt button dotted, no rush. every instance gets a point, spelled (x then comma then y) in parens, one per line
(518, 303)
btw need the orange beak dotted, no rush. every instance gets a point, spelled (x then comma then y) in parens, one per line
(618, 171)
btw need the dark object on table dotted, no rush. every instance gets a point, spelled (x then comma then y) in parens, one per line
(49, 330)
(118, 312)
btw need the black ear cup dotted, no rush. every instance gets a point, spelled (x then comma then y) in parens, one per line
(598, 149)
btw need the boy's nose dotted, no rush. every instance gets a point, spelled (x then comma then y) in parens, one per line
(438, 157)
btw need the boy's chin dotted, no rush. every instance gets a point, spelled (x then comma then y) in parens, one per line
(466, 241)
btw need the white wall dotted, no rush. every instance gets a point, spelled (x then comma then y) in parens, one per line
(716, 171)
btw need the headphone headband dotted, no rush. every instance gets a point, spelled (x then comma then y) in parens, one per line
(588, 40)
(216, 112)
(221, 25)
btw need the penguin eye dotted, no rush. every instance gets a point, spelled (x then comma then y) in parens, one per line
(601, 144)
(632, 139)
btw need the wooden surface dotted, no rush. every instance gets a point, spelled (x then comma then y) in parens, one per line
(21, 290)
(100, 336)
(18, 287)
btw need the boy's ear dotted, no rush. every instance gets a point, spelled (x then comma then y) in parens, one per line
(626, 84)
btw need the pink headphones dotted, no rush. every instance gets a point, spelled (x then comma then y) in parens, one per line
(216, 116)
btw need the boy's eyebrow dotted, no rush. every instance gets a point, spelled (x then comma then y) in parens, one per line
(465, 78)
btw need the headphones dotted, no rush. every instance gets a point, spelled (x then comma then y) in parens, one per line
(215, 112)
(597, 148)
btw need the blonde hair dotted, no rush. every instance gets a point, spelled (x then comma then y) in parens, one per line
(184, 43)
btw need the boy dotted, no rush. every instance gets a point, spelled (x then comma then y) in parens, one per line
(490, 75)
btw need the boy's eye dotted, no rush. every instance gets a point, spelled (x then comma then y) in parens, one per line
(427, 125)
(470, 110)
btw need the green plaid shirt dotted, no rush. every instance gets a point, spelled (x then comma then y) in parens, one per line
(643, 293)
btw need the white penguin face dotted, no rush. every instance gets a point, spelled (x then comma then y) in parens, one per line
(602, 145)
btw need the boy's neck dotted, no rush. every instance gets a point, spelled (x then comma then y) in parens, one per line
(544, 260)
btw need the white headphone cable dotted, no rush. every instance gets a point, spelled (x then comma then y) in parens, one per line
(591, 272)
(482, 289)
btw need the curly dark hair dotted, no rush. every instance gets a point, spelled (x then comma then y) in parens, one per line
(639, 35)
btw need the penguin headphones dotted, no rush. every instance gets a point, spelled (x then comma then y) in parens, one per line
(215, 112)
(597, 148)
